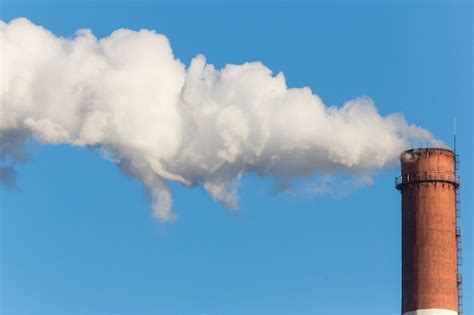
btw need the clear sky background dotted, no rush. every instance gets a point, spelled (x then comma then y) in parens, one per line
(77, 237)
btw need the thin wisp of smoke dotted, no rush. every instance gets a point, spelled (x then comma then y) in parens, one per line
(161, 121)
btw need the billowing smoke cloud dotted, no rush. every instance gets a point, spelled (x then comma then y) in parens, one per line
(160, 120)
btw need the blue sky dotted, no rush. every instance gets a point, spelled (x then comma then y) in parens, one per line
(77, 236)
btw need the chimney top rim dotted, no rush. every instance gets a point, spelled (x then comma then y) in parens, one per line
(420, 150)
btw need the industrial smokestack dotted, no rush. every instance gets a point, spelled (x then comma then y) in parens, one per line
(428, 184)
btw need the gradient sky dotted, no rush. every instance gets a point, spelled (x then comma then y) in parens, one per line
(77, 237)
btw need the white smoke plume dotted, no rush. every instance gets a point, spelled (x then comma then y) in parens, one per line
(161, 121)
